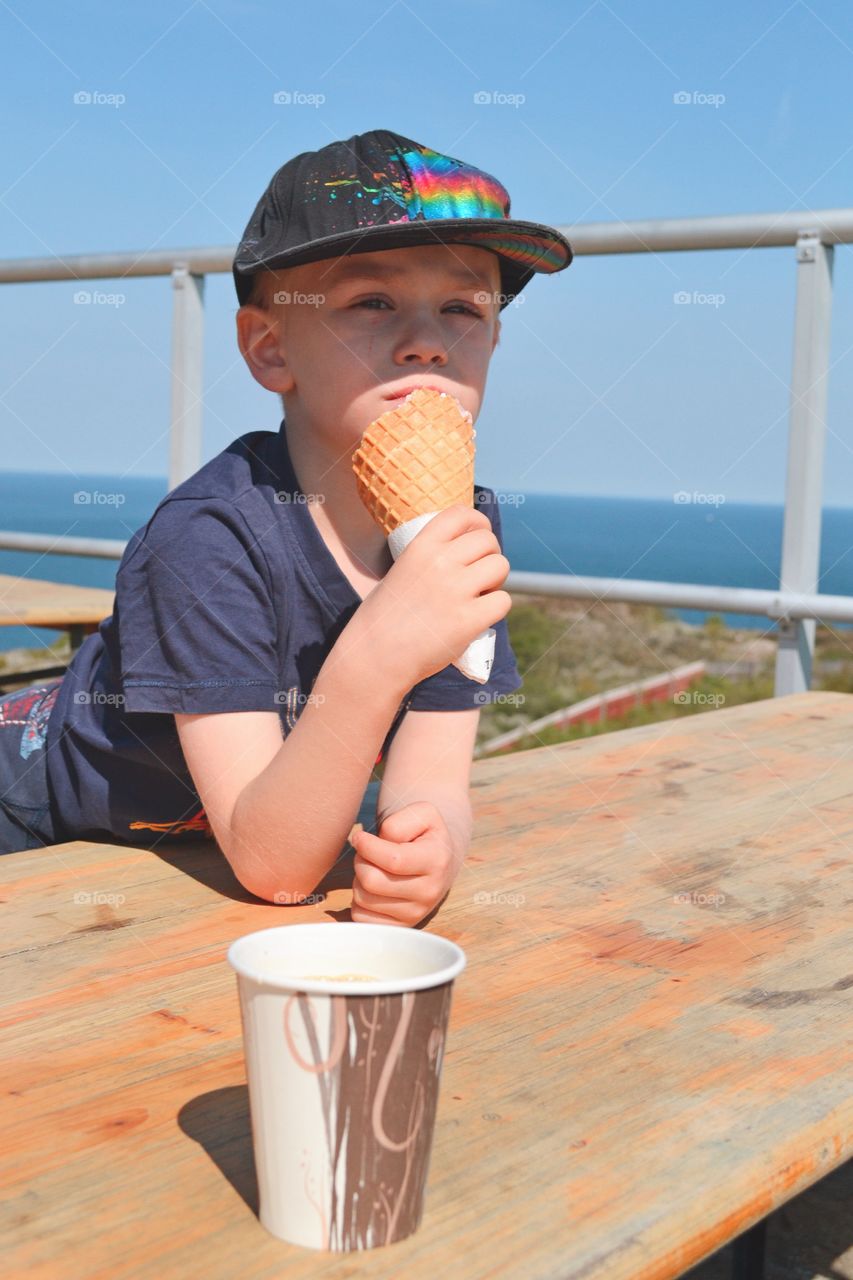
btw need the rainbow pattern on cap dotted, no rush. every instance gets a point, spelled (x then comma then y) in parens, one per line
(425, 185)
(526, 250)
(431, 185)
(445, 188)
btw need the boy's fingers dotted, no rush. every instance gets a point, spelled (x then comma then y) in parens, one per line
(369, 910)
(408, 823)
(376, 879)
(376, 902)
(393, 857)
(360, 916)
(452, 520)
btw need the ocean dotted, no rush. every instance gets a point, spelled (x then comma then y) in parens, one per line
(733, 544)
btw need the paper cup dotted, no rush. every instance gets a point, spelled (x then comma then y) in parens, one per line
(476, 661)
(343, 1075)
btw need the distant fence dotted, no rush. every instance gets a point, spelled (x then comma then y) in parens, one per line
(605, 706)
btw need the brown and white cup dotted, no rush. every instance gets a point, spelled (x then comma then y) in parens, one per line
(344, 1030)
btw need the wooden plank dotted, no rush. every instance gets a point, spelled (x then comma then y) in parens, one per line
(33, 602)
(650, 1048)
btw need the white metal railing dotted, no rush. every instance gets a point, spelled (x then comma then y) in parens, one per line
(812, 234)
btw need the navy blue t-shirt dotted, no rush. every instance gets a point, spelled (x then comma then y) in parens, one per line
(228, 599)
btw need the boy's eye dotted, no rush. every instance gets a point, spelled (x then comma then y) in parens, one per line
(459, 307)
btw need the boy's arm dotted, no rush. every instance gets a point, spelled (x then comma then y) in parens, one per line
(280, 809)
(430, 759)
(424, 799)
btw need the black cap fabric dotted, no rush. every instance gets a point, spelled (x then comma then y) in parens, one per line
(378, 190)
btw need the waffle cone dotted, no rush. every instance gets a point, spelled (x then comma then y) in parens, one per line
(416, 458)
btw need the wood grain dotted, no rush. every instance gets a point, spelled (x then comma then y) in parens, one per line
(649, 1050)
(33, 602)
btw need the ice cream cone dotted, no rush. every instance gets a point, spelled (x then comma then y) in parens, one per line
(412, 462)
(416, 458)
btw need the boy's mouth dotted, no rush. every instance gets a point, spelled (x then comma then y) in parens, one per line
(402, 392)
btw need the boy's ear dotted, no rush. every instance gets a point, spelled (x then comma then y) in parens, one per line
(497, 335)
(258, 337)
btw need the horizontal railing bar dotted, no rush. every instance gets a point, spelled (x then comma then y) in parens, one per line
(115, 266)
(62, 545)
(731, 231)
(647, 235)
(776, 605)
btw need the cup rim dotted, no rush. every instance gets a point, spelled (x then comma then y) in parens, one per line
(380, 986)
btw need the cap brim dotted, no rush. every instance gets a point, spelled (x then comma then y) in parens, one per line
(526, 248)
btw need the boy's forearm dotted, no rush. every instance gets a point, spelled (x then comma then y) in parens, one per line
(453, 804)
(455, 808)
(290, 823)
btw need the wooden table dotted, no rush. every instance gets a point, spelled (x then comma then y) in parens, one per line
(34, 602)
(649, 1050)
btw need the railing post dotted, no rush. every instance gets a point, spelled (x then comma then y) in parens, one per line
(187, 374)
(806, 436)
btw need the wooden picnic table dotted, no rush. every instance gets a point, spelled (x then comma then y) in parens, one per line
(34, 602)
(649, 1050)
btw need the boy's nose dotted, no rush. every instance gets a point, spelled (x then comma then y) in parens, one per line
(422, 343)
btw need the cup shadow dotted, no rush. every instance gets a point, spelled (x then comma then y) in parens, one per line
(219, 1122)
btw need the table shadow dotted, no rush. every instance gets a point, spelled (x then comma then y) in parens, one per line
(207, 864)
(219, 1122)
(210, 867)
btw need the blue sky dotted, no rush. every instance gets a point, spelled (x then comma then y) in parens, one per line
(601, 384)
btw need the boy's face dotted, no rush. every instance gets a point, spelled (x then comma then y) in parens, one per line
(347, 333)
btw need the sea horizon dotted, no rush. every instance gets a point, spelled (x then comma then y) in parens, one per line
(688, 536)
(533, 493)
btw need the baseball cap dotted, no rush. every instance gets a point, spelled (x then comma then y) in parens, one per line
(378, 190)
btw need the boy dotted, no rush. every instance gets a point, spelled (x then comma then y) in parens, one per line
(265, 653)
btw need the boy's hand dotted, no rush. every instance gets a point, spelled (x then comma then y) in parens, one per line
(406, 869)
(441, 593)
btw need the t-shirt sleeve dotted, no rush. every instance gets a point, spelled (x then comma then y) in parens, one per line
(449, 689)
(195, 615)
